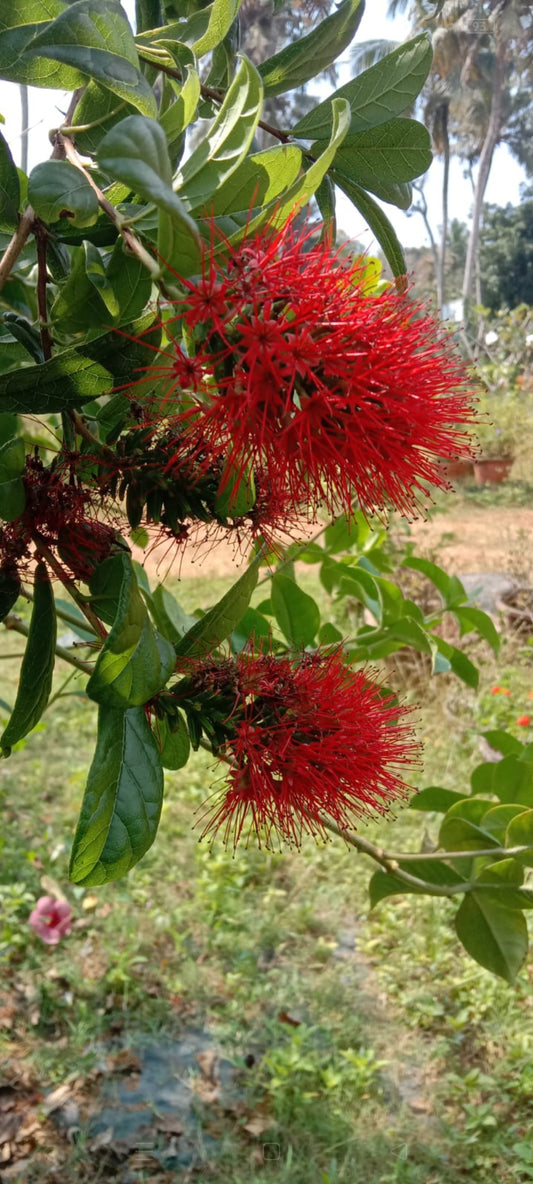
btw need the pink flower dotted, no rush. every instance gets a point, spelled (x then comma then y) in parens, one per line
(51, 919)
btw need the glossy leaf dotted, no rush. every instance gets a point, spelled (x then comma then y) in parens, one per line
(494, 936)
(170, 618)
(135, 661)
(260, 179)
(501, 883)
(101, 110)
(94, 37)
(435, 798)
(135, 152)
(12, 492)
(379, 93)
(20, 21)
(9, 188)
(297, 614)
(307, 57)
(74, 376)
(219, 622)
(218, 155)
(105, 586)
(35, 681)
(520, 834)
(174, 741)
(123, 799)
(58, 190)
(181, 112)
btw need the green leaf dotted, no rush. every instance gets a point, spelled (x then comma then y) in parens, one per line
(379, 93)
(458, 833)
(94, 37)
(470, 619)
(56, 189)
(9, 591)
(510, 779)
(135, 152)
(105, 587)
(297, 614)
(101, 109)
(307, 57)
(123, 799)
(175, 742)
(435, 798)
(342, 535)
(395, 152)
(252, 628)
(259, 180)
(459, 663)
(494, 936)
(219, 622)
(12, 492)
(503, 742)
(20, 21)
(84, 300)
(501, 884)
(79, 374)
(135, 661)
(377, 221)
(181, 113)
(436, 872)
(520, 834)
(35, 682)
(203, 30)
(497, 819)
(28, 335)
(9, 188)
(170, 618)
(130, 282)
(450, 587)
(218, 155)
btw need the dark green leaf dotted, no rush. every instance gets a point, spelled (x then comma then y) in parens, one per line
(391, 154)
(9, 591)
(450, 587)
(58, 190)
(220, 621)
(26, 334)
(252, 628)
(37, 668)
(459, 663)
(135, 661)
(503, 742)
(12, 492)
(435, 798)
(105, 586)
(101, 109)
(175, 742)
(170, 618)
(377, 221)
(218, 155)
(182, 111)
(520, 834)
(123, 798)
(304, 59)
(385, 90)
(510, 779)
(20, 21)
(494, 936)
(474, 619)
(94, 37)
(9, 188)
(501, 883)
(297, 614)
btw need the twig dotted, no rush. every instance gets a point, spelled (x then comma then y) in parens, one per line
(70, 586)
(60, 612)
(17, 626)
(41, 237)
(130, 238)
(27, 219)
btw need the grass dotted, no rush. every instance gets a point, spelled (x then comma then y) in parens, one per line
(369, 1046)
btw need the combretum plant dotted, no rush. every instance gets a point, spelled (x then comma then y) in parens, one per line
(187, 356)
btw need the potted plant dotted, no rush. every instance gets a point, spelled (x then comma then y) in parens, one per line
(501, 421)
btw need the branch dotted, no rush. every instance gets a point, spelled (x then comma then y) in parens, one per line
(41, 238)
(27, 219)
(78, 598)
(14, 623)
(61, 613)
(130, 238)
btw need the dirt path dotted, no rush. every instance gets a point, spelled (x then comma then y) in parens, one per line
(469, 539)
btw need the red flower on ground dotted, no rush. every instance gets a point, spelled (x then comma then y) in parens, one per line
(346, 395)
(306, 739)
(51, 919)
(524, 721)
(499, 691)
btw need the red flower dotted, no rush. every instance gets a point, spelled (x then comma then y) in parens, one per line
(524, 721)
(345, 395)
(499, 691)
(307, 740)
(51, 919)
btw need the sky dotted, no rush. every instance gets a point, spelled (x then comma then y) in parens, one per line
(46, 108)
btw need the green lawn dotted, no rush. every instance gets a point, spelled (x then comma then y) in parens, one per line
(369, 1047)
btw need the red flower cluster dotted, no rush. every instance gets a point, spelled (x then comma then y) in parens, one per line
(338, 394)
(306, 739)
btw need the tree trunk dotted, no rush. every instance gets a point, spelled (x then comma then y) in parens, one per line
(485, 162)
(445, 137)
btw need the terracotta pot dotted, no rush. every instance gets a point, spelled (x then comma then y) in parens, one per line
(458, 470)
(492, 470)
